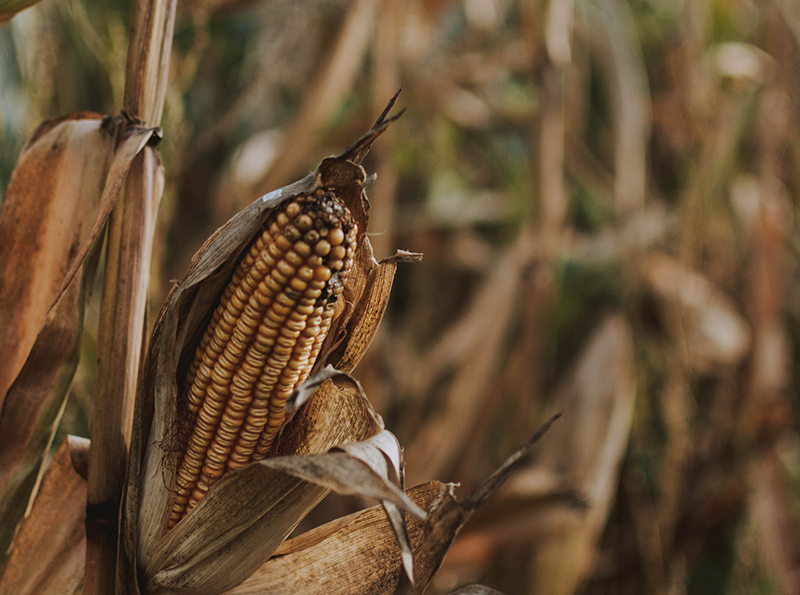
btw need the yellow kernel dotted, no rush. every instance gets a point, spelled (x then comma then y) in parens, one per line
(285, 300)
(292, 210)
(311, 330)
(236, 301)
(305, 273)
(292, 234)
(322, 273)
(296, 325)
(298, 284)
(304, 223)
(283, 243)
(275, 252)
(338, 253)
(273, 285)
(302, 249)
(274, 316)
(322, 248)
(336, 236)
(285, 268)
(281, 309)
(294, 259)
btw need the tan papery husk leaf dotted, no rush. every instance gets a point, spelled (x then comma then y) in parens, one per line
(250, 511)
(358, 554)
(179, 327)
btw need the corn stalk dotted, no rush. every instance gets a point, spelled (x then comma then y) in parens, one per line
(123, 316)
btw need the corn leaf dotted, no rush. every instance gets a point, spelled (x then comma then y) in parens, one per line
(65, 184)
(48, 557)
(358, 553)
(34, 406)
(49, 207)
(57, 201)
(589, 447)
(561, 504)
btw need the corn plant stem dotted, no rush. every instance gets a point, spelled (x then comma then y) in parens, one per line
(120, 346)
(122, 317)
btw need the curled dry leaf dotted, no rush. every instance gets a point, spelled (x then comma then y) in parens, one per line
(61, 191)
(60, 194)
(211, 537)
(249, 512)
(591, 444)
(322, 561)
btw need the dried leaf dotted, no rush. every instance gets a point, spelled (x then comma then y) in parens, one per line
(369, 304)
(53, 535)
(33, 409)
(716, 332)
(561, 504)
(772, 501)
(619, 54)
(249, 512)
(359, 554)
(590, 445)
(50, 205)
(65, 184)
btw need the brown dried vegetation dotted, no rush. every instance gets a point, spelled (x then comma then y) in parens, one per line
(606, 194)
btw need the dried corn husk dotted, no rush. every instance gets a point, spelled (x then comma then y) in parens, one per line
(246, 515)
(358, 554)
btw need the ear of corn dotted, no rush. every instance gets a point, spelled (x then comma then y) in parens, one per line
(262, 340)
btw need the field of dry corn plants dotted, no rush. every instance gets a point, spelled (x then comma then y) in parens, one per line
(605, 194)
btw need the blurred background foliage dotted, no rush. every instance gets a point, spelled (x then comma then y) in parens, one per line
(606, 195)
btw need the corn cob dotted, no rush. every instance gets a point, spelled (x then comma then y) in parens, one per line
(262, 340)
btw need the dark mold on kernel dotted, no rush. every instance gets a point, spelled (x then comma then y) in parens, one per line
(311, 217)
(333, 288)
(327, 210)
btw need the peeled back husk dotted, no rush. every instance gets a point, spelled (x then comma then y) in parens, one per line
(247, 514)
